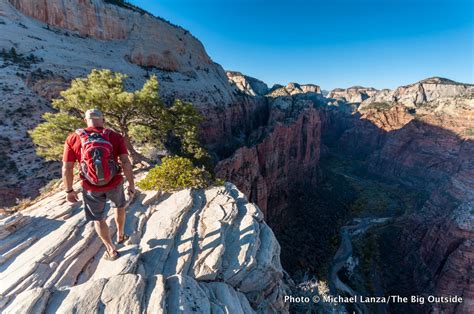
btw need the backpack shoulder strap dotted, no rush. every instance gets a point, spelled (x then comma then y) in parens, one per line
(83, 135)
(81, 132)
(106, 134)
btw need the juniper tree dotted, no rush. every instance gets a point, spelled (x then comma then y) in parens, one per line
(140, 116)
(51, 134)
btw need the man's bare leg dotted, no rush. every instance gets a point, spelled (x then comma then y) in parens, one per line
(120, 221)
(102, 230)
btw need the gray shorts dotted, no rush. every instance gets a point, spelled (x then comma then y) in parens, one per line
(94, 202)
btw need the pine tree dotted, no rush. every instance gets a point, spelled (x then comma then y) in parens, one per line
(50, 135)
(140, 116)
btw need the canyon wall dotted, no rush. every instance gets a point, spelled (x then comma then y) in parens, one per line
(151, 41)
(420, 93)
(286, 155)
(355, 94)
(246, 84)
(73, 37)
(430, 150)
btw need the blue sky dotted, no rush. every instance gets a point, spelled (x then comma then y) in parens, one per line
(332, 43)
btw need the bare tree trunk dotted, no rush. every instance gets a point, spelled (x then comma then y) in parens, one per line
(135, 156)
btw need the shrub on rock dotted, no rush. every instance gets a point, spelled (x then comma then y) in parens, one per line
(175, 173)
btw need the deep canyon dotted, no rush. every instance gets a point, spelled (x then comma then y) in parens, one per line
(311, 163)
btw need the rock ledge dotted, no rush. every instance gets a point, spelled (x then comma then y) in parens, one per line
(190, 251)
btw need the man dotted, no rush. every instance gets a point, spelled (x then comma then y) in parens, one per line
(98, 149)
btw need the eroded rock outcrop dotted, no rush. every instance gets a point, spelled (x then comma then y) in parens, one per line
(294, 89)
(425, 91)
(151, 41)
(246, 84)
(192, 251)
(355, 94)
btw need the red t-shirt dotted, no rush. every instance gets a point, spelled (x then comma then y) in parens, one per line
(72, 153)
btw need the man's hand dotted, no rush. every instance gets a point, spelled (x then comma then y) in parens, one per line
(128, 172)
(72, 197)
(131, 190)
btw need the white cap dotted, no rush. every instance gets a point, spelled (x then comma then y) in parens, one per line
(94, 114)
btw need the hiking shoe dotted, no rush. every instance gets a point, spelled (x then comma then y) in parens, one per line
(113, 257)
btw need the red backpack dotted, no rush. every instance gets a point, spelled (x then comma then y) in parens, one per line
(98, 164)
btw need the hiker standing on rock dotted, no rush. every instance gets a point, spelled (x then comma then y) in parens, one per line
(98, 149)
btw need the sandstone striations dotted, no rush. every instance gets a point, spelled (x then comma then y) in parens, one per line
(267, 141)
(192, 251)
(151, 41)
(73, 37)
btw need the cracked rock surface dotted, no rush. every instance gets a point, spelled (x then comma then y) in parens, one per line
(190, 251)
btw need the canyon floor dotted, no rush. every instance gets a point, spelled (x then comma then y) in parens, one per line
(344, 196)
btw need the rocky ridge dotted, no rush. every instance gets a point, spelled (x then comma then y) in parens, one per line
(425, 91)
(103, 35)
(247, 84)
(149, 41)
(65, 49)
(355, 94)
(192, 250)
(294, 89)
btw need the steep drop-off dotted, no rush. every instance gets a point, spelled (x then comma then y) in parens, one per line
(428, 150)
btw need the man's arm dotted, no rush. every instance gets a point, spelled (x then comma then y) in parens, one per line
(69, 159)
(68, 180)
(128, 172)
(68, 175)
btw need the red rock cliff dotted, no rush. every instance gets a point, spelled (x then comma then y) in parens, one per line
(155, 41)
(266, 171)
(432, 153)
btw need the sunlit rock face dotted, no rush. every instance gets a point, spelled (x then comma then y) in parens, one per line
(192, 250)
(266, 139)
(420, 93)
(151, 41)
(294, 89)
(246, 84)
(355, 94)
